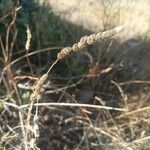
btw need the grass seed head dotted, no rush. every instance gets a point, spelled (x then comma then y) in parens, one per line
(89, 40)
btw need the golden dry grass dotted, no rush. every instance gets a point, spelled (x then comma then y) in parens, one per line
(115, 117)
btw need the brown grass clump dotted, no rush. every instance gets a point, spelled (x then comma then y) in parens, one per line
(97, 112)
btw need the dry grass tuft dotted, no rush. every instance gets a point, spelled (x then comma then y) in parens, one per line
(97, 112)
(38, 90)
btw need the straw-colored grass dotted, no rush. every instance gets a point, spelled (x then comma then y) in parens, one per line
(70, 116)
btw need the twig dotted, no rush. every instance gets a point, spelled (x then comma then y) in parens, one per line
(135, 82)
(52, 65)
(141, 140)
(64, 88)
(29, 54)
(66, 104)
(8, 33)
(12, 44)
(5, 16)
(23, 131)
(124, 97)
(125, 145)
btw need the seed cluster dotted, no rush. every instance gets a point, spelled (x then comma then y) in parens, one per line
(38, 88)
(27, 46)
(88, 40)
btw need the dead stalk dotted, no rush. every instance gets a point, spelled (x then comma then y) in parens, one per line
(27, 47)
(6, 60)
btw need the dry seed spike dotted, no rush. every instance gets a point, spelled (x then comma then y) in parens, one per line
(29, 36)
(82, 43)
(75, 47)
(37, 88)
(64, 52)
(89, 40)
(41, 81)
(108, 33)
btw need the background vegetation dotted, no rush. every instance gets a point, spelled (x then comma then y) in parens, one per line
(105, 74)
